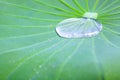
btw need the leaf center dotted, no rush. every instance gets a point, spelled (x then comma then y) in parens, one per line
(92, 15)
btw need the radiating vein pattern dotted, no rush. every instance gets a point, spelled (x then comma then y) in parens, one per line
(30, 49)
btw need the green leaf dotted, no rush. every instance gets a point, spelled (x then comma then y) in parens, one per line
(31, 49)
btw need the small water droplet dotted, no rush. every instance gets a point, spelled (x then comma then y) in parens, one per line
(40, 66)
(78, 27)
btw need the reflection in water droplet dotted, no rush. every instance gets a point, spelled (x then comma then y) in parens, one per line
(78, 28)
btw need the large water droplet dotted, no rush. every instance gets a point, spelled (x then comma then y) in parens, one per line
(78, 27)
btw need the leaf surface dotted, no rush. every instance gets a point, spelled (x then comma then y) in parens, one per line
(31, 49)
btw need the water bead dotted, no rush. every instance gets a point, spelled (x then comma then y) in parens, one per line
(79, 27)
